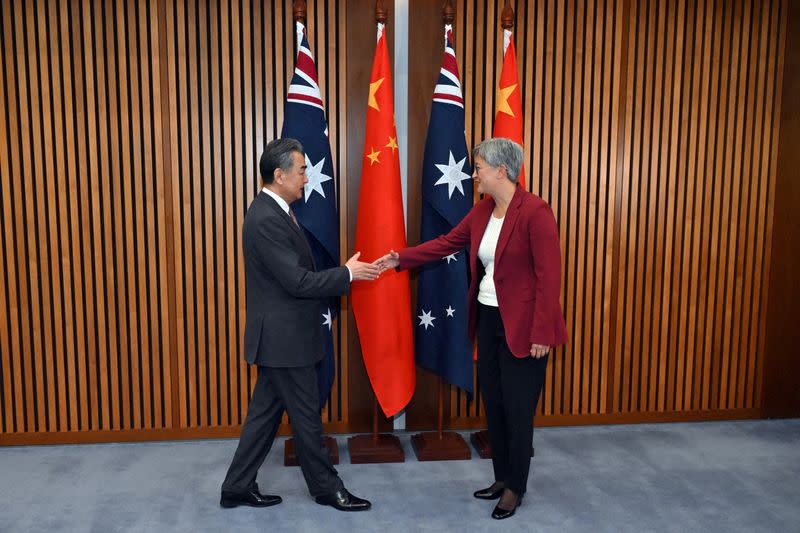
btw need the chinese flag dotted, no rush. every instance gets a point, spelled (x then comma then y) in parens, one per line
(508, 114)
(383, 308)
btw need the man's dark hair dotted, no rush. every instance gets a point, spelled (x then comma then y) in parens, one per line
(278, 154)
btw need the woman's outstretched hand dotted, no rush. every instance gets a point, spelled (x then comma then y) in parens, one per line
(390, 260)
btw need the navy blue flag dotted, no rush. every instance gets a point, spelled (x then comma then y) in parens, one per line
(304, 120)
(442, 345)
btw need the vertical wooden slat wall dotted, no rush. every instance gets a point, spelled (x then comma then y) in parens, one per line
(702, 350)
(130, 140)
(650, 128)
(84, 317)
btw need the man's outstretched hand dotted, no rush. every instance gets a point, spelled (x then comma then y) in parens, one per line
(362, 271)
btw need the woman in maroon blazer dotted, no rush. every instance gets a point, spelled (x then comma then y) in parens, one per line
(515, 267)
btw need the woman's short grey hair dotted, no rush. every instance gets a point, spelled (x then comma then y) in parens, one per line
(500, 151)
(278, 155)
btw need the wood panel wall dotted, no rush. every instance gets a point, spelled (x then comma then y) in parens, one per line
(131, 133)
(129, 138)
(84, 309)
(651, 129)
(696, 199)
(781, 384)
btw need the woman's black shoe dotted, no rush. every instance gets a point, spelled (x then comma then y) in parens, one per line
(488, 493)
(500, 513)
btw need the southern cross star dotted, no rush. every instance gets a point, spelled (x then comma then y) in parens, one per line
(315, 178)
(425, 319)
(453, 175)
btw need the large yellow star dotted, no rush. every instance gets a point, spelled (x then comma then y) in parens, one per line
(373, 156)
(502, 100)
(392, 143)
(373, 88)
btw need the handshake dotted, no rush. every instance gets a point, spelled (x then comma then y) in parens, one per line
(370, 271)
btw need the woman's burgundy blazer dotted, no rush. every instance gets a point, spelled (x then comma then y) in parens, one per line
(527, 269)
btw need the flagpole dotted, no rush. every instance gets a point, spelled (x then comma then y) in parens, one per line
(507, 16)
(374, 418)
(376, 447)
(442, 445)
(441, 409)
(480, 439)
(299, 11)
(381, 13)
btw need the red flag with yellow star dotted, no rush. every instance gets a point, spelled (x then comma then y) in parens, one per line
(383, 307)
(508, 112)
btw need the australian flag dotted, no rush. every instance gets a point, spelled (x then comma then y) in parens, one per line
(304, 120)
(442, 345)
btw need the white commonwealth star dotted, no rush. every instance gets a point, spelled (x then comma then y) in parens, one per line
(452, 175)
(449, 257)
(328, 319)
(425, 319)
(315, 178)
(450, 311)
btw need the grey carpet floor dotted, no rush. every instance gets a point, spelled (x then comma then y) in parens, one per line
(718, 476)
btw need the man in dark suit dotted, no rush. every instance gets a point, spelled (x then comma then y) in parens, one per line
(283, 335)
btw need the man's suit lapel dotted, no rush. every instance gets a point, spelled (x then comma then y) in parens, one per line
(272, 204)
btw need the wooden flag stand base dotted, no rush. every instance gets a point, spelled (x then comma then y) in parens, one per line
(440, 445)
(375, 448)
(290, 457)
(480, 440)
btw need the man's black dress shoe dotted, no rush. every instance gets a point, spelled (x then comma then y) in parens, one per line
(488, 493)
(500, 513)
(344, 501)
(252, 497)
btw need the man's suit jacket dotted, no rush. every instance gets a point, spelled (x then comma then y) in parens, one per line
(527, 269)
(283, 289)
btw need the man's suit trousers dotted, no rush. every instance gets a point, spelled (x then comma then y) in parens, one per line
(295, 391)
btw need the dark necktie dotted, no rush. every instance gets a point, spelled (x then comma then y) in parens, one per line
(294, 218)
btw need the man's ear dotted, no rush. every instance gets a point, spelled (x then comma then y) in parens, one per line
(277, 176)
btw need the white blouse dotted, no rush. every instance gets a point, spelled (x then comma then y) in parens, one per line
(486, 292)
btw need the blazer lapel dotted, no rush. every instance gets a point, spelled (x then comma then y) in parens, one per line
(479, 226)
(512, 214)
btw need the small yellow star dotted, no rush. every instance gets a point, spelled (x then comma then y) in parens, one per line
(392, 143)
(373, 156)
(502, 100)
(373, 88)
